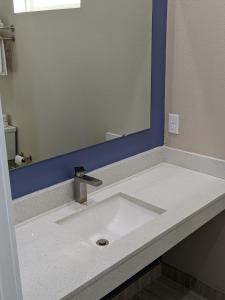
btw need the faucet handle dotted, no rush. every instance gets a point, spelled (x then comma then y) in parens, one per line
(79, 171)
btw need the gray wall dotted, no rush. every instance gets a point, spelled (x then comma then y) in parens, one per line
(196, 91)
(78, 73)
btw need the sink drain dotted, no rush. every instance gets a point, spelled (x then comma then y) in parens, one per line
(102, 242)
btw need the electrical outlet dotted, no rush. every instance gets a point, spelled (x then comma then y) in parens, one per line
(173, 124)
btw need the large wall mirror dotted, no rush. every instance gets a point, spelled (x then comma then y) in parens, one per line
(74, 77)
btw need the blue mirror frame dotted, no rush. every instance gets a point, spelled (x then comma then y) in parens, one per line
(58, 169)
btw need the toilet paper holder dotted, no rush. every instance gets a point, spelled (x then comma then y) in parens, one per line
(25, 160)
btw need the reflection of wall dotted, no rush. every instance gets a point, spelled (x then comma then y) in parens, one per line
(196, 90)
(100, 55)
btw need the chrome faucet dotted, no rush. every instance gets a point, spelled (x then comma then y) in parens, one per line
(80, 184)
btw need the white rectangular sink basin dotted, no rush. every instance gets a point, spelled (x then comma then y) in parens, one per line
(111, 219)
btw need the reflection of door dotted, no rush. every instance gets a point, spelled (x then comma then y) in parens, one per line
(10, 287)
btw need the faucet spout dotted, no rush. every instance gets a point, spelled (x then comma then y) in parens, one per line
(90, 180)
(80, 184)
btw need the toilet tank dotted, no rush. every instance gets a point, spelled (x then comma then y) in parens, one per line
(10, 136)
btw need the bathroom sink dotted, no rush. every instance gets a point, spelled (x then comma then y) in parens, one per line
(110, 219)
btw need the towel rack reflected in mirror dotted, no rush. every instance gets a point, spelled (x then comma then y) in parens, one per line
(9, 38)
(10, 27)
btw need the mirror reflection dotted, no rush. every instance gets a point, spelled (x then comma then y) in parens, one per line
(73, 77)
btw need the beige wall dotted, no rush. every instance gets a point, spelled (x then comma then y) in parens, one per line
(196, 91)
(79, 73)
(196, 75)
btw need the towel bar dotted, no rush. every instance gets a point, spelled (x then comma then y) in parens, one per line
(11, 38)
(10, 27)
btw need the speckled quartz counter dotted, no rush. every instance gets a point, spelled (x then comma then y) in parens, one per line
(55, 266)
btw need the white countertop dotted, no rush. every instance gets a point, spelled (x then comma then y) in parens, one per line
(54, 265)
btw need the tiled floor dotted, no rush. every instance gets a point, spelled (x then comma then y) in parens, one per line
(166, 289)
